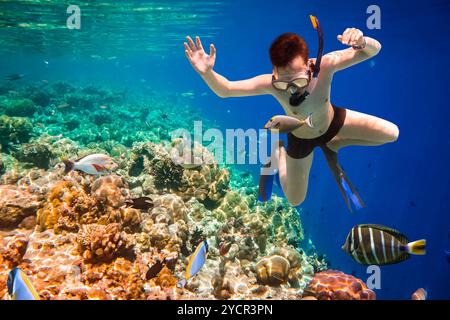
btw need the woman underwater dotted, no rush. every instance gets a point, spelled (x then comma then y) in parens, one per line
(304, 92)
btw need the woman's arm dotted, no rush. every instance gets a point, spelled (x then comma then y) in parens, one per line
(250, 87)
(362, 49)
(204, 63)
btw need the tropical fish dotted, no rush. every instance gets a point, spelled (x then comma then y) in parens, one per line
(419, 294)
(196, 262)
(20, 287)
(14, 77)
(224, 247)
(286, 124)
(143, 203)
(447, 255)
(91, 164)
(155, 269)
(372, 244)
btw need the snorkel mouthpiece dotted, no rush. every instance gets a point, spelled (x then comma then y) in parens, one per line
(296, 99)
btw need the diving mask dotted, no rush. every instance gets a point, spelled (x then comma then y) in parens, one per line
(298, 81)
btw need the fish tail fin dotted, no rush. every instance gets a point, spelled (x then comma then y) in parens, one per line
(417, 247)
(349, 192)
(69, 165)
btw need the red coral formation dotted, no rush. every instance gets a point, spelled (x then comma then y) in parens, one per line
(336, 285)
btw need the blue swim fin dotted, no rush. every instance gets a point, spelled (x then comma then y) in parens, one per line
(265, 187)
(349, 192)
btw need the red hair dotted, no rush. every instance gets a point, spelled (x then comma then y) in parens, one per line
(286, 47)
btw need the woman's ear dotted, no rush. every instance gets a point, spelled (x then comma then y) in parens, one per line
(275, 72)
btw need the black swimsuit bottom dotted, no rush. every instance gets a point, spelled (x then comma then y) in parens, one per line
(298, 148)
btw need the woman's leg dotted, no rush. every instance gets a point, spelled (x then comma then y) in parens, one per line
(361, 129)
(294, 176)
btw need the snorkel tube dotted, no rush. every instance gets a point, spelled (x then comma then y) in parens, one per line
(296, 99)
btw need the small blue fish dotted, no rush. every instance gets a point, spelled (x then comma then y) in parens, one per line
(196, 262)
(20, 287)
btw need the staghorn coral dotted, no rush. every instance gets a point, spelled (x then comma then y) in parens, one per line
(100, 243)
(336, 285)
(15, 205)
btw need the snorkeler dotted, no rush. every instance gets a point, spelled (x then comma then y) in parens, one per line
(302, 86)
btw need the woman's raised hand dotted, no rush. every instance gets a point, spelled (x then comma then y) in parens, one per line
(200, 61)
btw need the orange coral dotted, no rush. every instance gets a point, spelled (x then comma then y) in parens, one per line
(66, 207)
(336, 285)
(15, 250)
(100, 243)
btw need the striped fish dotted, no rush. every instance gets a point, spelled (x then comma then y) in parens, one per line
(372, 244)
(20, 287)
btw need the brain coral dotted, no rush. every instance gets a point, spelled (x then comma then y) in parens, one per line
(336, 285)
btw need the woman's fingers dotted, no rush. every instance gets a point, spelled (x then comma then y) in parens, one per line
(191, 43)
(187, 48)
(199, 43)
(212, 51)
(188, 54)
(345, 36)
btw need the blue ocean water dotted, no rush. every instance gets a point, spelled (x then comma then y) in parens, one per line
(405, 184)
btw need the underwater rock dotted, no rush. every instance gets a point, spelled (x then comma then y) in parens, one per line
(100, 243)
(14, 130)
(35, 154)
(273, 270)
(336, 285)
(15, 250)
(15, 205)
(20, 108)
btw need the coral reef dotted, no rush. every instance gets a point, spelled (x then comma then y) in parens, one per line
(102, 243)
(78, 236)
(14, 130)
(19, 107)
(15, 205)
(336, 285)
